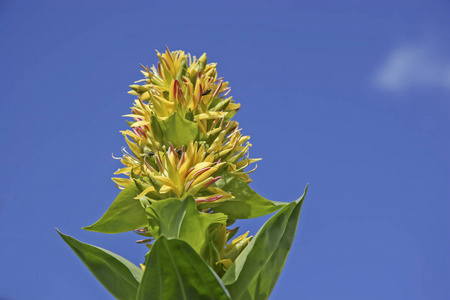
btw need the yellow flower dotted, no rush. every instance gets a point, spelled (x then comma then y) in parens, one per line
(177, 173)
(183, 83)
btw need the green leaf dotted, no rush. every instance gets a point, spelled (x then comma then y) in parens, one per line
(155, 124)
(124, 214)
(181, 219)
(174, 129)
(119, 276)
(256, 270)
(173, 270)
(246, 203)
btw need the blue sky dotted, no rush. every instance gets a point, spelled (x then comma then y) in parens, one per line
(350, 97)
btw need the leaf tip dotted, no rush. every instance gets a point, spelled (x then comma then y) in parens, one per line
(62, 235)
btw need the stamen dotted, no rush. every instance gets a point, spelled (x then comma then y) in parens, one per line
(159, 69)
(142, 133)
(189, 171)
(125, 153)
(143, 241)
(209, 199)
(188, 185)
(253, 170)
(199, 172)
(212, 181)
(227, 91)
(112, 154)
(200, 92)
(172, 149)
(169, 54)
(182, 159)
(218, 88)
(135, 131)
(166, 62)
(175, 90)
(234, 132)
(147, 164)
(147, 70)
(159, 161)
(180, 92)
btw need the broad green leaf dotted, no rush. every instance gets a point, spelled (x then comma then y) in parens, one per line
(181, 219)
(175, 130)
(119, 276)
(124, 214)
(256, 270)
(173, 270)
(165, 217)
(246, 203)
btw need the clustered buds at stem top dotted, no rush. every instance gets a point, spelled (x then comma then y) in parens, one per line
(185, 89)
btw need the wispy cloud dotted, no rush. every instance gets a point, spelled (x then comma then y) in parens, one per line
(414, 65)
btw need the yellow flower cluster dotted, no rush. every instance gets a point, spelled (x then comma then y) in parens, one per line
(189, 88)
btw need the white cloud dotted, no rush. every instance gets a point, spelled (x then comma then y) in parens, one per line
(411, 66)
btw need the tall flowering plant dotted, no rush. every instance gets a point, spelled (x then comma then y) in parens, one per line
(184, 182)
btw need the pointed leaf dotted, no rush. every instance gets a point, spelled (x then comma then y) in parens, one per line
(124, 214)
(182, 220)
(119, 276)
(256, 270)
(246, 203)
(175, 130)
(174, 270)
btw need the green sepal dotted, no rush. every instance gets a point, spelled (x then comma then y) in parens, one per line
(173, 270)
(182, 71)
(181, 219)
(118, 275)
(124, 214)
(219, 104)
(256, 270)
(230, 115)
(246, 203)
